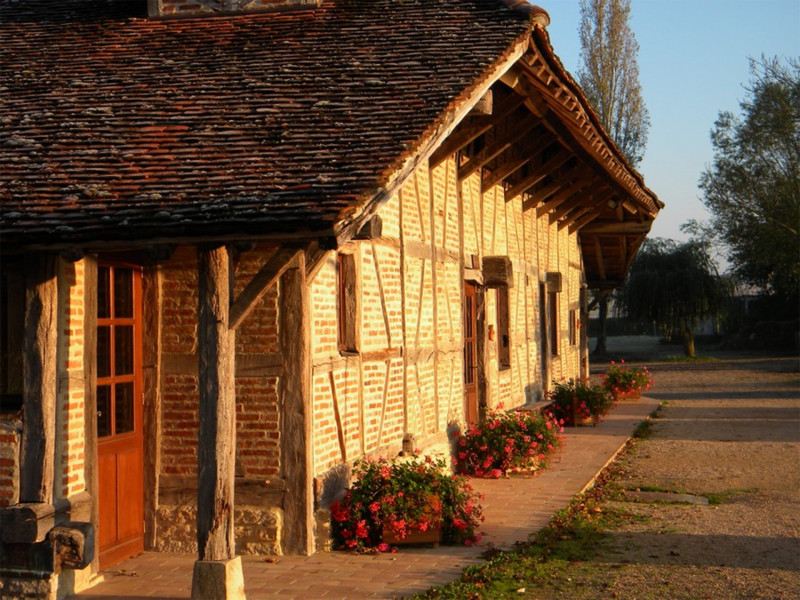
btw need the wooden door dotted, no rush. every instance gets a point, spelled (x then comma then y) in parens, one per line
(470, 353)
(119, 413)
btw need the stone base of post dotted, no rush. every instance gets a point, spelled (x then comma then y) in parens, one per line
(218, 580)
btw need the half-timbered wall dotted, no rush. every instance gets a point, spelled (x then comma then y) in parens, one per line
(405, 376)
(258, 370)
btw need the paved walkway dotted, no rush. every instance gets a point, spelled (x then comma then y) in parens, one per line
(513, 507)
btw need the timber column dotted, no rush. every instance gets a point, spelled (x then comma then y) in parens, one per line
(218, 571)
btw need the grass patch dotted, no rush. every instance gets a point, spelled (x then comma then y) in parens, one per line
(691, 359)
(575, 535)
(717, 498)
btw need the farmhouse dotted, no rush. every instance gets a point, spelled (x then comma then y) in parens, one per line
(242, 248)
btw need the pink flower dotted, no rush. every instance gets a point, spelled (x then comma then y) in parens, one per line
(383, 547)
(496, 473)
(361, 529)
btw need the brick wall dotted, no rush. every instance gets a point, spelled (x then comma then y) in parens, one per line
(10, 429)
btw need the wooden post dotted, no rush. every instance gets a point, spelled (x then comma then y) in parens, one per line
(296, 411)
(39, 372)
(218, 572)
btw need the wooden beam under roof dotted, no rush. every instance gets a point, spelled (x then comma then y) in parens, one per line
(562, 196)
(600, 198)
(573, 201)
(537, 196)
(499, 146)
(504, 169)
(601, 265)
(471, 131)
(629, 227)
(538, 173)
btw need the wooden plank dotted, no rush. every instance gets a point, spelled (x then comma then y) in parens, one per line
(337, 415)
(266, 277)
(601, 263)
(216, 449)
(296, 411)
(40, 341)
(90, 391)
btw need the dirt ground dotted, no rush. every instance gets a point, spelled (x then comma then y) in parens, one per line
(728, 431)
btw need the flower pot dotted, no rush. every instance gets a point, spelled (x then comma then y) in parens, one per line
(432, 535)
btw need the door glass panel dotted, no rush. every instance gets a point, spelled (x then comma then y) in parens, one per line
(103, 410)
(123, 293)
(103, 293)
(104, 351)
(123, 350)
(123, 408)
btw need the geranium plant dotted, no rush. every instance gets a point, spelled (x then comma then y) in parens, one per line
(574, 399)
(621, 380)
(405, 496)
(507, 441)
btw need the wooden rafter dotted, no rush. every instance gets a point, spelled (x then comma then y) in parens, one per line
(538, 173)
(499, 146)
(600, 198)
(562, 196)
(510, 166)
(473, 130)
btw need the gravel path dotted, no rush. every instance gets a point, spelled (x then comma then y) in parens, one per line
(729, 431)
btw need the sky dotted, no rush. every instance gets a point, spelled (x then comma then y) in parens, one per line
(693, 63)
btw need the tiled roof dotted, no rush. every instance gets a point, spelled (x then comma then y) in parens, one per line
(116, 127)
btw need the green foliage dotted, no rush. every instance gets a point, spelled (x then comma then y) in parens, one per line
(405, 496)
(591, 400)
(507, 441)
(752, 188)
(675, 285)
(609, 75)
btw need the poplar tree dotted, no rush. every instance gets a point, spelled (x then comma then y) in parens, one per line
(609, 76)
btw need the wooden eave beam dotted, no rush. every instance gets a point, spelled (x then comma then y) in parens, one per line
(574, 201)
(601, 266)
(471, 131)
(599, 200)
(536, 196)
(499, 146)
(629, 227)
(562, 196)
(266, 277)
(539, 172)
(504, 169)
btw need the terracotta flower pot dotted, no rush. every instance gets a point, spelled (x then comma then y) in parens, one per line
(432, 535)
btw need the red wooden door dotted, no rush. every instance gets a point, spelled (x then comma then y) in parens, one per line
(470, 353)
(119, 413)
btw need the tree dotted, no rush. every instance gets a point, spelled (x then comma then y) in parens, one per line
(609, 76)
(675, 286)
(752, 188)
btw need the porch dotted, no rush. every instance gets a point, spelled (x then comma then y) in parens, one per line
(513, 507)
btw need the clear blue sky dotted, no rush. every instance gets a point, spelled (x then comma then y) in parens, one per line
(692, 65)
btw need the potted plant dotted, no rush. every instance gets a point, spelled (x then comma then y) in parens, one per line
(504, 441)
(622, 381)
(402, 500)
(577, 402)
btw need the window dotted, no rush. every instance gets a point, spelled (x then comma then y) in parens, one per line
(573, 327)
(347, 303)
(552, 307)
(503, 329)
